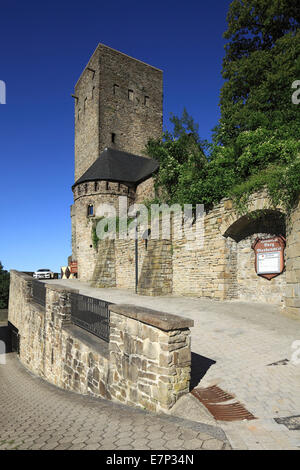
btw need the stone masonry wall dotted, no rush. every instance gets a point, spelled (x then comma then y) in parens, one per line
(250, 286)
(105, 270)
(156, 273)
(86, 115)
(94, 193)
(130, 101)
(220, 268)
(145, 364)
(292, 292)
(200, 269)
(149, 365)
(145, 191)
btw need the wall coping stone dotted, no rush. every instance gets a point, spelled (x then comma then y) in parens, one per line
(59, 288)
(21, 274)
(162, 320)
(88, 339)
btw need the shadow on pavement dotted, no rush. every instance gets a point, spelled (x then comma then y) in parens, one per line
(200, 365)
(5, 336)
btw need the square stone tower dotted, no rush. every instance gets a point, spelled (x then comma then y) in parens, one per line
(118, 104)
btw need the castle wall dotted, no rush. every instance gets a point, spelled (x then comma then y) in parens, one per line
(292, 292)
(222, 268)
(250, 286)
(200, 269)
(218, 267)
(145, 191)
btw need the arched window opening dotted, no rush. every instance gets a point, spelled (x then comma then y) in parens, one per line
(90, 210)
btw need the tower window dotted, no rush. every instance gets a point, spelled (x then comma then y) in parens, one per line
(113, 138)
(146, 100)
(84, 104)
(90, 210)
(96, 186)
(130, 95)
(115, 89)
(106, 185)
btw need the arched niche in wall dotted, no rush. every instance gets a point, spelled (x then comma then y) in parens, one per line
(267, 221)
(242, 279)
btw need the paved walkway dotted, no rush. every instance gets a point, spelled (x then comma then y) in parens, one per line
(36, 415)
(243, 339)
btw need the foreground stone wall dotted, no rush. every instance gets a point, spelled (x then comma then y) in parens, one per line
(147, 362)
(150, 357)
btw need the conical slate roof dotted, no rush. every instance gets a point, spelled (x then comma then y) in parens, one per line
(118, 166)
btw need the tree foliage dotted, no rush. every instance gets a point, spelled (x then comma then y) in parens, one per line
(4, 287)
(262, 59)
(256, 143)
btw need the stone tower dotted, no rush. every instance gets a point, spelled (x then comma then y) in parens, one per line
(118, 104)
(118, 108)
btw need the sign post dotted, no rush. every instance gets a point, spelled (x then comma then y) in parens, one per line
(269, 256)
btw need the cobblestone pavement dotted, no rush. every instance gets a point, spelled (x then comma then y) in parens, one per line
(243, 339)
(37, 415)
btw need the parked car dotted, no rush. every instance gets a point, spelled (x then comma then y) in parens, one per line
(43, 274)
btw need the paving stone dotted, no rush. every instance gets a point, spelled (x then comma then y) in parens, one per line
(53, 431)
(212, 444)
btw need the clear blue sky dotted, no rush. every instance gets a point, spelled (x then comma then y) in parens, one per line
(44, 47)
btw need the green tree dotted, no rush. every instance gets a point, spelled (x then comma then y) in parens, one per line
(256, 143)
(262, 59)
(259, 124)
(181, 155)
(4, 287)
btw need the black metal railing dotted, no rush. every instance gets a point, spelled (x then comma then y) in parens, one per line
(91, 314)
(39, 293)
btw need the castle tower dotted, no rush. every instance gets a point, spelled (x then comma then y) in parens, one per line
(118, 108)
(118, 104)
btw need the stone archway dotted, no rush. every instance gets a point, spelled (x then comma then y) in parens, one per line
(242, 281)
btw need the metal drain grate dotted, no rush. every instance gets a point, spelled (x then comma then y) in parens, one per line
(211, 397)
(291, 422)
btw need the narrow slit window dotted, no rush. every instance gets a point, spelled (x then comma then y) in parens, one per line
(113, 138)
(106, 185)
(90, 210)
(130, 95)
(146, 100)
(115, 89)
